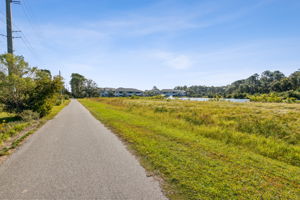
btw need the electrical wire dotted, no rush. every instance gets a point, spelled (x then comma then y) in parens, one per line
(24, 39)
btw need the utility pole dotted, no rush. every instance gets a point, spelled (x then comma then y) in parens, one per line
(9, 27)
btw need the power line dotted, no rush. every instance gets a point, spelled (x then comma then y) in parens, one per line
(26, 10)
(23, 37)
(27, 14)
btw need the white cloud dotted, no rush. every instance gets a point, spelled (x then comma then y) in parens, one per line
(146, 22)
(128, 49)
(175, 61)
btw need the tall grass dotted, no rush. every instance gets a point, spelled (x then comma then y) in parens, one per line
(211, 150)
(11, 125)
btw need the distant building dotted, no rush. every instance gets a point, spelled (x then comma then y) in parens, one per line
(152, 92)
(107, 92)
(171, 92)
(127, 92)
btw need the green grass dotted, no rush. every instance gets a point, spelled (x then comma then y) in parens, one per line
(10, 125)
(211, 150)
(4, 114)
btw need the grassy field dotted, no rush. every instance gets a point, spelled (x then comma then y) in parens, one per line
(10, 125)
(211, 150)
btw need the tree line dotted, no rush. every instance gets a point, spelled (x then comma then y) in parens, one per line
(265, 83)
(82, 87)
(24, 88)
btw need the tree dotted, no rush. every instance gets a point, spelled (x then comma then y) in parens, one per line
(276, 86)
(277, 76)
(268, 81)
(16, 86)
(154, 92)
(295, 79)
(77, 85)
(91, 88)
(26, 88)
(286, 84)
(82, 87)
(46, 92)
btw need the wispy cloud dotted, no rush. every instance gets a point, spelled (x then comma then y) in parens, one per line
(147, 46)
(196, 16)
(142, 23)
(172, 60)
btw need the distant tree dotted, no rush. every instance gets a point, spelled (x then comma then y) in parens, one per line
(268, 78)
(295, 79)
(286, 84)
(253, 80)
(155, 88)
(91, 88)
(153, 92)
(277, 76)
(276, 86)
(267, 82)
(82, 87)
(77, 85)
(111, 93)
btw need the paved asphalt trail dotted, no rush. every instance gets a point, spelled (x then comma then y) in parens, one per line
(74, 156)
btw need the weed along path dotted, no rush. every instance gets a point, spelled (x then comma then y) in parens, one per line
(74, 156)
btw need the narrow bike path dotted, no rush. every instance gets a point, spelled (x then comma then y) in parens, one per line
(74, 156)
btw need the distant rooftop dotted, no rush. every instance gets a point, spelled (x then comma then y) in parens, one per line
(128, 90)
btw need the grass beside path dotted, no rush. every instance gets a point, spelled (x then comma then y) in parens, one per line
(211, 150)
(13, 130)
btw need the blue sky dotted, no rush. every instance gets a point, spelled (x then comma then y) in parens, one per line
(142, 43)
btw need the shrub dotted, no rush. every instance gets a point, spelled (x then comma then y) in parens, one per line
(160, 109)
(156, 97)
(271, 98)
(290, 100)
(67, 97)
(44, 108)
(135, 97)
(285, 97)
(29, 115)
(58, 102)
(27, 88)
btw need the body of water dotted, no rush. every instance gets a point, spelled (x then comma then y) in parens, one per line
(209, 99)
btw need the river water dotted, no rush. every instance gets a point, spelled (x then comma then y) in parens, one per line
(210, 99)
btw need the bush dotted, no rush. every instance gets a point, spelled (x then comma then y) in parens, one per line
(294, 94)
(44, 108)
(160, 109)
(134, 97)
(58, 102)
(29, 115)
(290, 100)
(271, 98)
(67, 97)
(27, 88)
(156, 97)
(239, 95)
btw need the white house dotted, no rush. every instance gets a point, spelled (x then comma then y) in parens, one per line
(127, 92)
(107, 92)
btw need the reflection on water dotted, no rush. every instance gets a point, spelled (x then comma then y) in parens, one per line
(211, 99)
